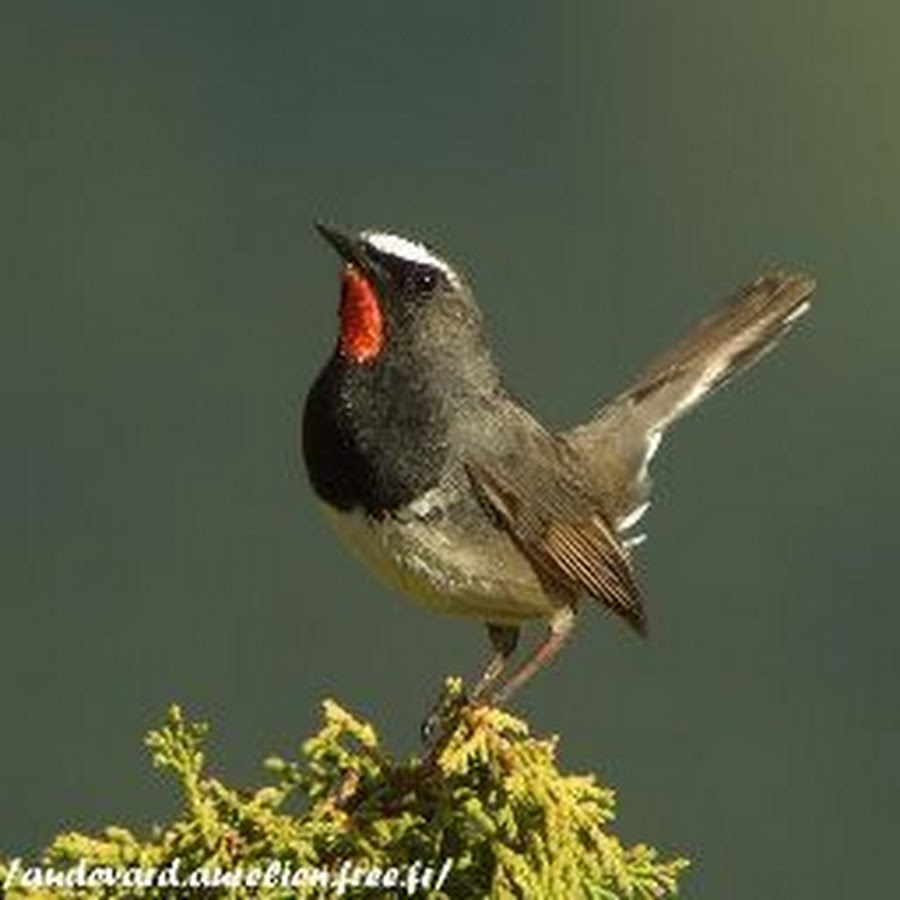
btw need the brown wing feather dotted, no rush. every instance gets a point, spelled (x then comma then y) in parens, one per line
(564, 534)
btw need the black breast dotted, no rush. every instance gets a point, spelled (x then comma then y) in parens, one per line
(373, 439)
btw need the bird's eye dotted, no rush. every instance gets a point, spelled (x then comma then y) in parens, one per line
(425, 278)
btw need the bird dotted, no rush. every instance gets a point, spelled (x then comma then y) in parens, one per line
(454, 493)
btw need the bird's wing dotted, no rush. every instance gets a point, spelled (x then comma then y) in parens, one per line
(560, 530)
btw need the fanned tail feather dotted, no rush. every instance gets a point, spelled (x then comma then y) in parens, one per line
(619, 442)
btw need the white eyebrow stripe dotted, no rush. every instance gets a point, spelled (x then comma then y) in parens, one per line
(404, 248)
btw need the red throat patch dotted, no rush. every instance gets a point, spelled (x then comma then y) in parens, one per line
(362, 323)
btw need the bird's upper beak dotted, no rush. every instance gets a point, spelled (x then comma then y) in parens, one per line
(349, 247)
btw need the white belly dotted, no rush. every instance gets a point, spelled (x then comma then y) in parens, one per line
(447, 569)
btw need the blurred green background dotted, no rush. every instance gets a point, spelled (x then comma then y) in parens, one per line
(605, 172)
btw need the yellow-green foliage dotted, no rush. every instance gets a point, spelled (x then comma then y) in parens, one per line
(488, 796)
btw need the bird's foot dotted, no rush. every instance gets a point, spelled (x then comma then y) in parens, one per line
(441, 722)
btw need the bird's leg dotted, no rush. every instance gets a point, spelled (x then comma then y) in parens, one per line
(561, 625)
(504, 639)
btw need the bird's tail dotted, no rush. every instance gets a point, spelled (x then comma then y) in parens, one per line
(619, 442)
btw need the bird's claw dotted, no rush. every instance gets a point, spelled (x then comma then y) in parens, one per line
(445, 713)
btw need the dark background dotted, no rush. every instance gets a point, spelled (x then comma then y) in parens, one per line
(605, 172)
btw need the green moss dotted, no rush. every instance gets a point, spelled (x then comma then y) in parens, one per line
(488, 796)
